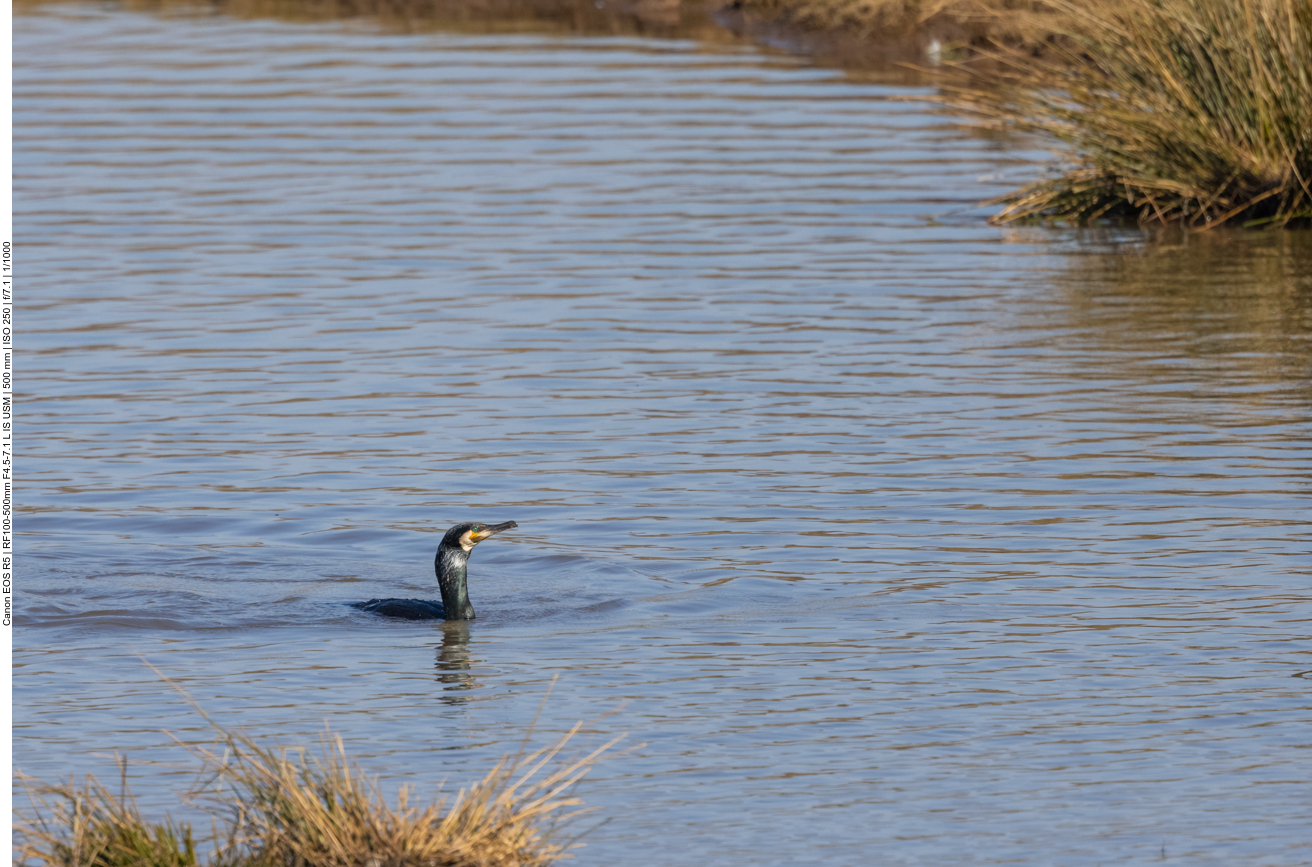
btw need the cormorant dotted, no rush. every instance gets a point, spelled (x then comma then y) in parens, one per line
(452, 557)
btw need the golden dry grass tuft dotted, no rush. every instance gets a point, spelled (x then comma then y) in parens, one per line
(92, 826)
(325, 812)
(286, 809)
(1188, 112)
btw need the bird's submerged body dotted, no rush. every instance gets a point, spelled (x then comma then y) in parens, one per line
(407, 609)
(450, 564)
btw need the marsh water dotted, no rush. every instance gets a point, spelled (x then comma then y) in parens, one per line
(888, 536)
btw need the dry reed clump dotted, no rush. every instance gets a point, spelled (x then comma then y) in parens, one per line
(283, 809)
(91, 826)
(1189, 112)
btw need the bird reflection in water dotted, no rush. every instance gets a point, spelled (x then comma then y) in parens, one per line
(453, 662)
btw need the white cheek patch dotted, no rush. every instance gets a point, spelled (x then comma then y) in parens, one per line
(466, 540)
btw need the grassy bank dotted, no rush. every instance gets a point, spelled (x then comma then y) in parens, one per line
(650, 18)
(1189, 112)
(887, 25)
(280, 808)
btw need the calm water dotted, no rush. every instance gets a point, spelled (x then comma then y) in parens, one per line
(893, 537)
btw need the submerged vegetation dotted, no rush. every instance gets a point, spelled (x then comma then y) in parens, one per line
(282, 809)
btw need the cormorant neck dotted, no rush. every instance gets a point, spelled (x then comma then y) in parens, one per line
(450, 564)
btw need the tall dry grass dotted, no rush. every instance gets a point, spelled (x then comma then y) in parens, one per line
(284, 808)
(322, 811)
(1192, 112)
(90, 825)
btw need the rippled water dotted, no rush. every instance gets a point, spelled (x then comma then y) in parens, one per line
(894, 537)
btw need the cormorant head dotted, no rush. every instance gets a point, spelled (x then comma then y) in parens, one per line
(466, 536)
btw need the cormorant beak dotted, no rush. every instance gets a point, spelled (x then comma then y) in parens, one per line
(477, 536)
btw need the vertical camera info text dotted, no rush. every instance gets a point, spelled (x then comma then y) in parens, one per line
(7, 431)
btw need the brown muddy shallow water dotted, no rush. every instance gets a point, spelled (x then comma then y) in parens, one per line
(894, 537)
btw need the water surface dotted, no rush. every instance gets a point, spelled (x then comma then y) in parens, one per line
(893, 537)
